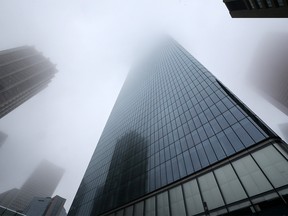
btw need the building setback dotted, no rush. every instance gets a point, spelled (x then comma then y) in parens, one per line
(23, 73)
(178, 142)
(257, 8)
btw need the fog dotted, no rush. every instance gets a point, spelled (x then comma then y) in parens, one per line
(94, 44)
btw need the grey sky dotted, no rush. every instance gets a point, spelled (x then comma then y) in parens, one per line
(94, 44)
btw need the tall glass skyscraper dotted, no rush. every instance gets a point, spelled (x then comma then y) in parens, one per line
(178, 142)
(23, 73)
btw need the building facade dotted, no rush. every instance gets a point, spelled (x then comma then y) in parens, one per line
(41, 183)
(178, 142)
(46, 206)
(23, 73)
(7, 197)
(257, 8)
(9, 212)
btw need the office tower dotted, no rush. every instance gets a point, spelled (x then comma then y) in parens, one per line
(56, 207)
(257, 8)
(178, 142)
(38, 206)
(41, 183)
(3, 138)
(23, 73)
(7, 197)
(46, 206)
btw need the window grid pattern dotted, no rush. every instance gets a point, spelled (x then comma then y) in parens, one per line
(173, 114)
(233, 182)
(23, 73)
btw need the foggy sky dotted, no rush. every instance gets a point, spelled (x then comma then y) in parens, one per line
(94, 44)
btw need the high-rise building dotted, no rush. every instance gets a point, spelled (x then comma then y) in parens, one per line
(257, 8)
(46, 206)
(41, 183)
(178, 142)
(7, 197)
(23, 73)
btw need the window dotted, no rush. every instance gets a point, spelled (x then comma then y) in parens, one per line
(192, 198)
(120, 212)
(252, 5)
(251, 176)
(273, 165)
(209, 151)
(150, 207)
(280, 3)
(230, 186)
(128, 211)
(259, 3)
(269, 3)
(210, 191)
(252, 130)
(229, 150)
(139, 209)
(162, 204)
(177, 201)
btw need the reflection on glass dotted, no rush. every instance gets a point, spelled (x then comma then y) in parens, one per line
(251, 176)
(128, 211)
(139, 208)
(229, 184)
(150, 207)
(193, 198)
(163, 204)
(273, 165)
(210, 191)
(126, 179)
(177, 201)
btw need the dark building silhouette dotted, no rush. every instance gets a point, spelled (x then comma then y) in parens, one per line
(3, 138)
(178, 142)
(23, 73)
(41, 183)
(7, 198)
(257, 8)
(127, 173)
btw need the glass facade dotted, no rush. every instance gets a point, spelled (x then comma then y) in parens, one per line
(172, 121)
(23, 73)
(240, 183)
